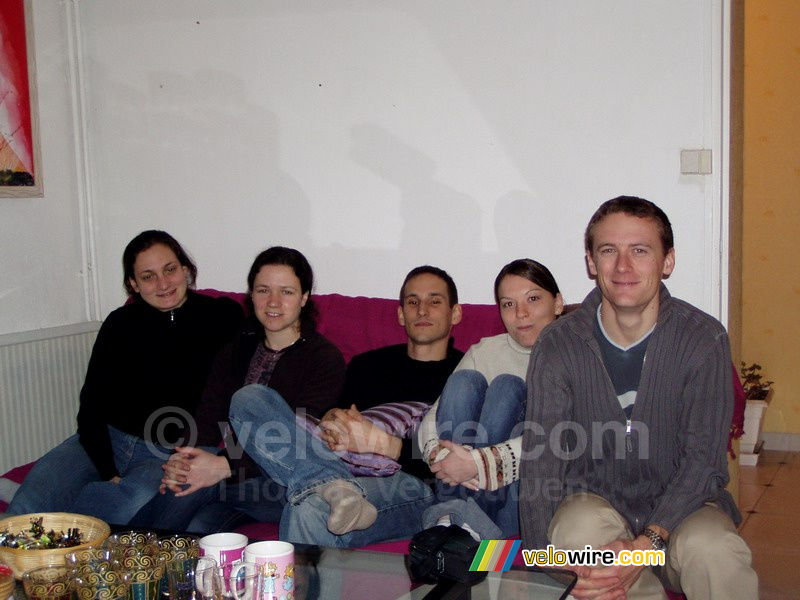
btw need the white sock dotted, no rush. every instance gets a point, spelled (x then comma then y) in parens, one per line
(350, 510)
(472, 533)
(446, 521)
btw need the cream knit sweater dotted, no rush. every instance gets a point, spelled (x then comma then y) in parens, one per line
(497, 465)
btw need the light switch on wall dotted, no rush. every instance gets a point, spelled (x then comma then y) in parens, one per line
(695, 162)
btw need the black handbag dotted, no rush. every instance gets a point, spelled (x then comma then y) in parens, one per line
(443, 553)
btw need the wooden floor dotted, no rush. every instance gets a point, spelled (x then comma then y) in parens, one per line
(770, 504)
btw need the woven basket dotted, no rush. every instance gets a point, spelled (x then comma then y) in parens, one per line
(7, 585)
(94, 533)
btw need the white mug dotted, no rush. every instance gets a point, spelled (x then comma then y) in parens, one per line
(225, 548)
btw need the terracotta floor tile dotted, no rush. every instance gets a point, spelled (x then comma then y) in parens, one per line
(766, 533)
(776, 577)
(759, 474)
(749, 495)
(772, 456)
(772, 530)
(780, 500)
(770, 595)
(788, 474)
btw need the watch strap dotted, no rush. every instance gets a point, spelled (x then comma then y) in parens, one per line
(656, 540)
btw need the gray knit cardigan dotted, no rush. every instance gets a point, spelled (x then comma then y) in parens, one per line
(671, 461)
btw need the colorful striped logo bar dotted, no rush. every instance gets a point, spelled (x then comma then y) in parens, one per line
(495, 555)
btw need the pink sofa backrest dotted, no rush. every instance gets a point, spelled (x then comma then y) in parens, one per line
(356, 324)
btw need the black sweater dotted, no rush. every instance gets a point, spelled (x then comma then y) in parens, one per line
(310, 374)
(144, 361)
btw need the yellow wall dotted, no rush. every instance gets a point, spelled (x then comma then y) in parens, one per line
(771, 244)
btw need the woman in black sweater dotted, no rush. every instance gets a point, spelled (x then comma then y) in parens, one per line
(148, 366)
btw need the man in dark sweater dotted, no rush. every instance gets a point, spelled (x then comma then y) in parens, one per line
(629, 406)
(414, 371)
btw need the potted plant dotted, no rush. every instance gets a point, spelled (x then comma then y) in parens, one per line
(755, 388)
(758, 393)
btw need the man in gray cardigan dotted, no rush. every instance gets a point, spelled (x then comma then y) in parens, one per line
(629, 406)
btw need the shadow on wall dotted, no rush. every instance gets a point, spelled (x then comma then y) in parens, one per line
(205, 163)
(217, 176)
(448, 219)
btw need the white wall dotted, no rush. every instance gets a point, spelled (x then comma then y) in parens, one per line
(372, 135)
(42, 269)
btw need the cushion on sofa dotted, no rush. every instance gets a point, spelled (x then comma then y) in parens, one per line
(399, 419)
(18, 474)
(14, 476)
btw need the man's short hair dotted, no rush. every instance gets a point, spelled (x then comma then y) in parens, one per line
(452, 292)
(635, 207)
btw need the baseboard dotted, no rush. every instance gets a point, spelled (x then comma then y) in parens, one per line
(748, 460)
(789, 442)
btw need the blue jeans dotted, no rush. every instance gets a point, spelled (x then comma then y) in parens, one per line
(479, 414)
(268, 431)
(292, 457)
(65, 480)
(401, 499)
(56, 480)
(222, 507)
(256, 499)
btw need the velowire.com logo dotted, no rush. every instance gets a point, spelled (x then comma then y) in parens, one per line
(495, 555)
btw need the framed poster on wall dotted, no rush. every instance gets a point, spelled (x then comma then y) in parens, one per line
(20, 163)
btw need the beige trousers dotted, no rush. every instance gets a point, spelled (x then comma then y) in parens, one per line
(706, 558)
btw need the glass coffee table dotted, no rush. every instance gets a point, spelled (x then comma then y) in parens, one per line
(334, 574)
(339, 574)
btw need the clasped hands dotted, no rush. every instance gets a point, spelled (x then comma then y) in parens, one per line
(346, 429)
(457, 467)
(191, 469)
(612, 582)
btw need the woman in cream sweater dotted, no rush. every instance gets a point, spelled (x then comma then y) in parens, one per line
(472, 436)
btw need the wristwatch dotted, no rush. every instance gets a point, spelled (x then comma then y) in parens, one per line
(656, 540)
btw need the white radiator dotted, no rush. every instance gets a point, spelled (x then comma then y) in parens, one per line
(41, 374)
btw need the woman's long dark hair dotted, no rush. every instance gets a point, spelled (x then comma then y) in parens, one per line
(280, 255)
